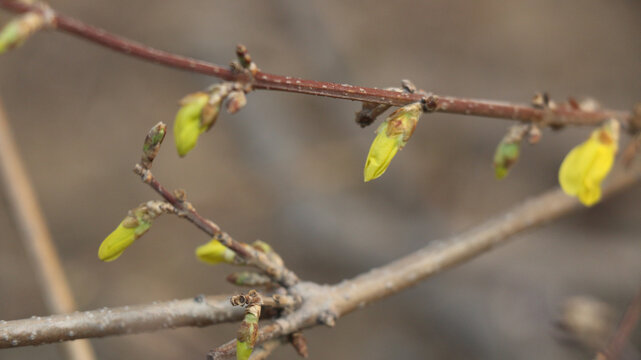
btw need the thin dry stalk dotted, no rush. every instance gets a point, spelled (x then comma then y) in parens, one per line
(36, 237)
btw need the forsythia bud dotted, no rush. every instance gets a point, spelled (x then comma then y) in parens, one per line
(508, 150)
(188, 125)
(125, 234)
(248, 333)
(391, 136)
(18, 30)
(585, 167)
(505, 156)
(151, 146)
(214, 253)
(137, 222)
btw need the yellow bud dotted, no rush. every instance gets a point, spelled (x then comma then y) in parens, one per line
(214, 253)
(392, 135)
(188, 125)
(121, 238)
(585, 167)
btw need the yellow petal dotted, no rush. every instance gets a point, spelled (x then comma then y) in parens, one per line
(214, 253)
(381, 153)
(587, 165)
(187, 126)
(120, 239)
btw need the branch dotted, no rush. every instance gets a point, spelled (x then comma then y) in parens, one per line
(321, 304)
(199, 311)
(563, 115)
(35, 235)
(324, 304)
(630, 319)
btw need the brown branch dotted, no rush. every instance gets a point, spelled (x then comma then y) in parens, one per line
(276, 270)
(36, 236)
(630, 319)
(560, 116)
(324, 304)
(199, 311)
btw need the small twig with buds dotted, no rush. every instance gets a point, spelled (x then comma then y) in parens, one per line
(267, 261)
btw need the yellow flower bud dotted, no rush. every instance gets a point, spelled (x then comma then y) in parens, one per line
(125, 234)
(188, 125)
(392, 135)
(585, 167)
(214, 253)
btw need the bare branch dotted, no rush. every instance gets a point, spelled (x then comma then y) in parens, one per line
(559, 116)
(324, 304)
(36, 236)
(199, 311)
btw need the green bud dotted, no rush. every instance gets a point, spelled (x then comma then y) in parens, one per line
(508, 150)
(151, 146)
(249, 278)
(247, 333)
(9, 36)
(15, 32)
(243, 350)
(188, 126)
(505, 157)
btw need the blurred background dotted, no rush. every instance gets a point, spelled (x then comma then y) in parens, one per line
(287, 169)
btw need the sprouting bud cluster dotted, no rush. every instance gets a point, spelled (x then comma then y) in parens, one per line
(199, 111)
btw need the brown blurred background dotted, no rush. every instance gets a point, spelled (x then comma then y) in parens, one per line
(288, 168)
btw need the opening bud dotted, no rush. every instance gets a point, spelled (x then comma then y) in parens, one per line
(392, 136)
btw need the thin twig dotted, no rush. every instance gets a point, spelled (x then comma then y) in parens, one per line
(630, 319)
(324, 304)
(557, 117)
(277, 271)
(199, 311)
(36, 236)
